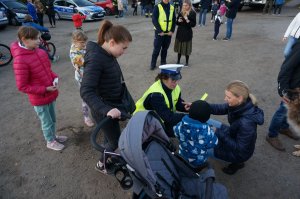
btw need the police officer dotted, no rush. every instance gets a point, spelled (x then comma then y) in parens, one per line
(163, 19)
(164, 97)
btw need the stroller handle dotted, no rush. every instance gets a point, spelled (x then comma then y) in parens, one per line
(96, 131)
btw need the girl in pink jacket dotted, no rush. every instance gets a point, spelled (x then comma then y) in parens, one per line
(34, 77)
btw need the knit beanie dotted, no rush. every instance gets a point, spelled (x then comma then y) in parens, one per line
(200, 110)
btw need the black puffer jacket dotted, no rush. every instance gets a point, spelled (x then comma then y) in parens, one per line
(237, 141)
(233, 7)
(102, 81)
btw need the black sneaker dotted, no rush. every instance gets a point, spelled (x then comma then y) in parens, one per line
(225, 39)
(152, 67)
(100, 167)
(233, 168)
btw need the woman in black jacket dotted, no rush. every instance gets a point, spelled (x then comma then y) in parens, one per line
(237, 141)
(186, 19)
(102, 86)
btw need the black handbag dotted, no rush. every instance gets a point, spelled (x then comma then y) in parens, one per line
(127, 100)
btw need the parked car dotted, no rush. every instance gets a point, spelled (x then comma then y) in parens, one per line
(64, 9)
(3, 19)
(106, 4)
(15, 11)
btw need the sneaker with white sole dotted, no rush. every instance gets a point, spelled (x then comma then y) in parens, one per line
(54, 145)
(100, 167)
(61, 138)
(88, 121)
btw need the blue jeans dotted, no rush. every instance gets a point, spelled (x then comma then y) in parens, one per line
(289, 45)
(229, 28)
(202, 16)
(46, 114)
(279, 121)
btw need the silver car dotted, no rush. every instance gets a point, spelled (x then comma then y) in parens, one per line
(64, 9)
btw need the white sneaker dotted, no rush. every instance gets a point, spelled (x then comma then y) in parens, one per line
(55, 58)
(54, 145)
(61, 138)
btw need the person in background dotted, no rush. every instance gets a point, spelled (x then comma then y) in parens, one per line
(164, 20)
(233, 6)
(34, 77)
(120, 8)
(77, 52)
(115, 4)
(195, 136)
(185, 21)
(278, 6)
(204, 5)
(32, 11)
(51, 13)
(268, 7)
(28, 21)
(148, 8)
(214, 9)
(78, 19)
(236, 142)
(218, 22)
(103, 85)
(288, 78)
(40, 11)
(292, 33)
(164, 97)
(134, 5)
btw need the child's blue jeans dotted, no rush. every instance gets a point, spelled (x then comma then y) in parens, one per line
(46, 114)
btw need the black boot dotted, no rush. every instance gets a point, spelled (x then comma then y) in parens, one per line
(178, 58)
(233, 168)
(187, 60)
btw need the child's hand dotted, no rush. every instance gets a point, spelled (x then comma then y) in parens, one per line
(51, 88)
(114, 113)
(187, 105)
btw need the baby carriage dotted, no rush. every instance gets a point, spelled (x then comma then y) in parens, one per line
(148, 163)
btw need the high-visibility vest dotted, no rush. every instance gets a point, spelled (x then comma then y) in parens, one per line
(162, 18)
(156, 87)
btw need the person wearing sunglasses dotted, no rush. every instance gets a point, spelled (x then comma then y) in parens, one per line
(164, 97)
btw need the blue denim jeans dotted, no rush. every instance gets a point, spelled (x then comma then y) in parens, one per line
(46, 114)
(279, 121)
(202, 16)
(229, 28)
(288, 47)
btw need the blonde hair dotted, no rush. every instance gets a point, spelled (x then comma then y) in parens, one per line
(79, 35)
(239, 88)
(186, 13)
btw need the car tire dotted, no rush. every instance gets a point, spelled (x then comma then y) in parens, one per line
(57, 16)
(107, 11)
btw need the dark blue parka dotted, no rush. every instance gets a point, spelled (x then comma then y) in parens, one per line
(237, 141)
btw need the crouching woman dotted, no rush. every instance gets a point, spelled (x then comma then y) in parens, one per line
(237, 141)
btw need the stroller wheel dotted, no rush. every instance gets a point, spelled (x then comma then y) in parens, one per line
(124, 178)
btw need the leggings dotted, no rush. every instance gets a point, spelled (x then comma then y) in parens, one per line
(51, 19)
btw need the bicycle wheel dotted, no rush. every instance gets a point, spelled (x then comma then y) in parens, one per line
(51, 49)
(5, 55)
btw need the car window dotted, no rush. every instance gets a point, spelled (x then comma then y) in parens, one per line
(82, 3)
(68, 4)
(60, 3)
(14, 5)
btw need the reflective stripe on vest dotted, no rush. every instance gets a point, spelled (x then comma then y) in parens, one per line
(162, 18)
(156, 87)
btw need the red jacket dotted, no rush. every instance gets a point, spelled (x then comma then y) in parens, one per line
(77, 19)
(33, 74)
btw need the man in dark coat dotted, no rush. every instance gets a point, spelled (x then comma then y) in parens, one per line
(233, 6)
(288, 78)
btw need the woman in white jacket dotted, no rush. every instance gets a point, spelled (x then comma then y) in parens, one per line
(292, 33)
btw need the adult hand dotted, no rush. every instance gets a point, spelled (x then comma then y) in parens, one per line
(114, 113)
(51, 88)
(286, 100)
(187, 105)
(161, 34)
(170, 33)
(284, 38)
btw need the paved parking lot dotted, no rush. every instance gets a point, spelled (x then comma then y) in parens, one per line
(254, 55)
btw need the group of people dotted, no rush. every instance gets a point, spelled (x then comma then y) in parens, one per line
(102, 88)
(273, 5)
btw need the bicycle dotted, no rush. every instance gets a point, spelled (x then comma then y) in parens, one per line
(5, 55)
(47, 46)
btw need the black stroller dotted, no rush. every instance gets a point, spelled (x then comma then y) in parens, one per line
(147, 162)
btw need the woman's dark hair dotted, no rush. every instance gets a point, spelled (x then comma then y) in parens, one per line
(108, 31)
(27, 32)
(161, 76)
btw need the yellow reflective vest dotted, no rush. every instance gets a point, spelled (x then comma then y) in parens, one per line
(156, 87)
(162, 19)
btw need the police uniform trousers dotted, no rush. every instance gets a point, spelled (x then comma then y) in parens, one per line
(160, 43)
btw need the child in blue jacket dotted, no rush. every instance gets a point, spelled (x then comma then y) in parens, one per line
(195, 136)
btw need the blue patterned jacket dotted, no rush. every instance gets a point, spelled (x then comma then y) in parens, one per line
(195, 138)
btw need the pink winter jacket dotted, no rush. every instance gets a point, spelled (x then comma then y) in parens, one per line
(33, 74)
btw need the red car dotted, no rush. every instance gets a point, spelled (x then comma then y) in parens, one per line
(107, 5)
